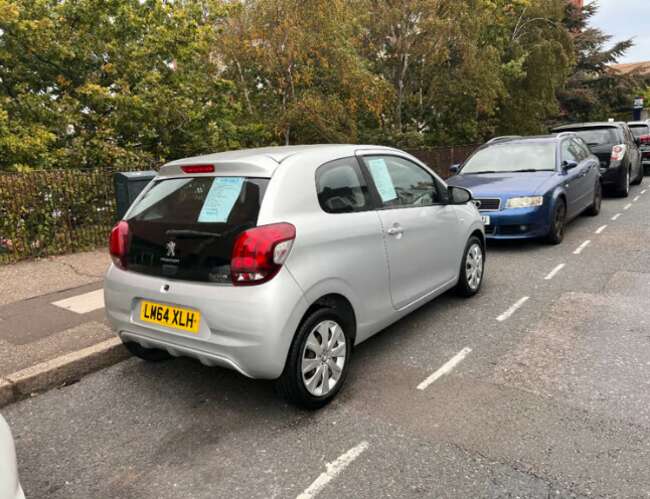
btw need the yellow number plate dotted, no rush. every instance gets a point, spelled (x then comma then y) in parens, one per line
(174, 317)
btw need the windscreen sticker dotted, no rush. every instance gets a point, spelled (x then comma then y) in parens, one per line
(221, 199)
(381, 177)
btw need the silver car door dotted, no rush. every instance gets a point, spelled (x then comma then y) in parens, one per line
(420, 229)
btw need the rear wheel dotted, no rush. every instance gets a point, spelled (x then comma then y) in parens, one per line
(556, 232)
(639, 177)
(471, 269)
(594, 209)
(318, 360)
(148, 354)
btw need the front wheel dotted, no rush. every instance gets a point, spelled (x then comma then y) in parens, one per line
(471, 268)
(558, 221)
(318, 360)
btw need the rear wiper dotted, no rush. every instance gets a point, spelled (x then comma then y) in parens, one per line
(191, 233)
(591, 144)
(528, 170)
(479, 173)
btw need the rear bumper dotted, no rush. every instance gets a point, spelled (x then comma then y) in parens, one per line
(248, 329)
(613, 175)
(517, 223)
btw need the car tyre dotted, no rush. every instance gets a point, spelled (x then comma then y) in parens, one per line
(472, 268)
(594, 209)
(299, 383)
(148, 354)
(558, 223)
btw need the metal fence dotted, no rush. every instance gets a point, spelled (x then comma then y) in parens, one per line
(52, 212)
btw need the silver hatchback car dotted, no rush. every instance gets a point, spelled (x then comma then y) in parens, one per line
(275, 262)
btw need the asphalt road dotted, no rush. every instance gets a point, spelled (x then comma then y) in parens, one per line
(552, 400)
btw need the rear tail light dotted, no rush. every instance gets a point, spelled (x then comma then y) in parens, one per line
(259, 253)
(119, 243)
(618, 152)
(644, 139)
(198, 168)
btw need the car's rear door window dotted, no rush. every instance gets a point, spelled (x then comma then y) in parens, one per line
(185, 228)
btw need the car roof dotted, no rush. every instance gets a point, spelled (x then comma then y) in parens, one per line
(263, 161)
(594, 124)
(638, 123)
(514, 139)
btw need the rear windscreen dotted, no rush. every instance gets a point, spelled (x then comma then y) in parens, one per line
(599, 136)
(639, 130)
(185, 228)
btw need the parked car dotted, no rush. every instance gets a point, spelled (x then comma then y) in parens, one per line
(617, 151)
(9, 485)
(531, 187)
(641, 132)
(274, 262)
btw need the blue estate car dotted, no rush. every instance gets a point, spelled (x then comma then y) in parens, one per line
(531, 187)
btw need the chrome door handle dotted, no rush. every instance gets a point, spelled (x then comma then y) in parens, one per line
(395, 231)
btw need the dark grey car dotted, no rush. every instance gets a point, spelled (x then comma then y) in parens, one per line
(617, 151)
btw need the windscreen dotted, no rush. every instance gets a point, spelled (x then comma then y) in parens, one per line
(639, 130)
(521, 156)
(599, 136)
(185, 228)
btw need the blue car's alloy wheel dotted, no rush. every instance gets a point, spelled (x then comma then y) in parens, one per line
(556, 233)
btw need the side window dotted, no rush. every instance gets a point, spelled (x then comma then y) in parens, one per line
(341, 187)
(402, 183)
(568, 151)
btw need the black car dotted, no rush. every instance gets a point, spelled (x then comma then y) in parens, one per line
(617, 151)
(641, 131)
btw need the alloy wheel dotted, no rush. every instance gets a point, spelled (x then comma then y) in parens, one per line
(323, 358)
(474, 266)
(558, 222)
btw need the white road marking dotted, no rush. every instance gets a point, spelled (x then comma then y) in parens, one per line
(627, 206)
(446, 368)
(616, 216)
(643, 191)
(636, 198)
(553, 272)
(512, 309)
(332, 470)
(581, 247)
(82, 304)
(600, 229)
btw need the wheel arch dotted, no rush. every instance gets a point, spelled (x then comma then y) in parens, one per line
(336, 302)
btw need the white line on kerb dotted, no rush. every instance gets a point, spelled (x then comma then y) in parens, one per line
(332, 470)
(512, 309)
(82, 304)
(636, 198)
(581, 247)
(627, 206)
(553, 272)
(616, 216)
(600, 229)
(446, 368)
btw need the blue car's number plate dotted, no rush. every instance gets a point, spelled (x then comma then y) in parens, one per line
(486, 220)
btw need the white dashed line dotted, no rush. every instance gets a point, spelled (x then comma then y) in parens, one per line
(643, 191)
(636, 198)
(616, 216)
(512, 309)
(332, 470)
(553, 272)
(581, 247)
(627, 206)
(446, 368)
(600, 229)
(82, 304)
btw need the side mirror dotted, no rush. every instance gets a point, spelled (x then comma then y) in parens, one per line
(454, 169)
(459, 195)
(568, 165)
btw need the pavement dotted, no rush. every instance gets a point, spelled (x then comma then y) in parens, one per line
(52, 309)
(537, 387)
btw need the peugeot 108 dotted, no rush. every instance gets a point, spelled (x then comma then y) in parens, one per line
(275, 262)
